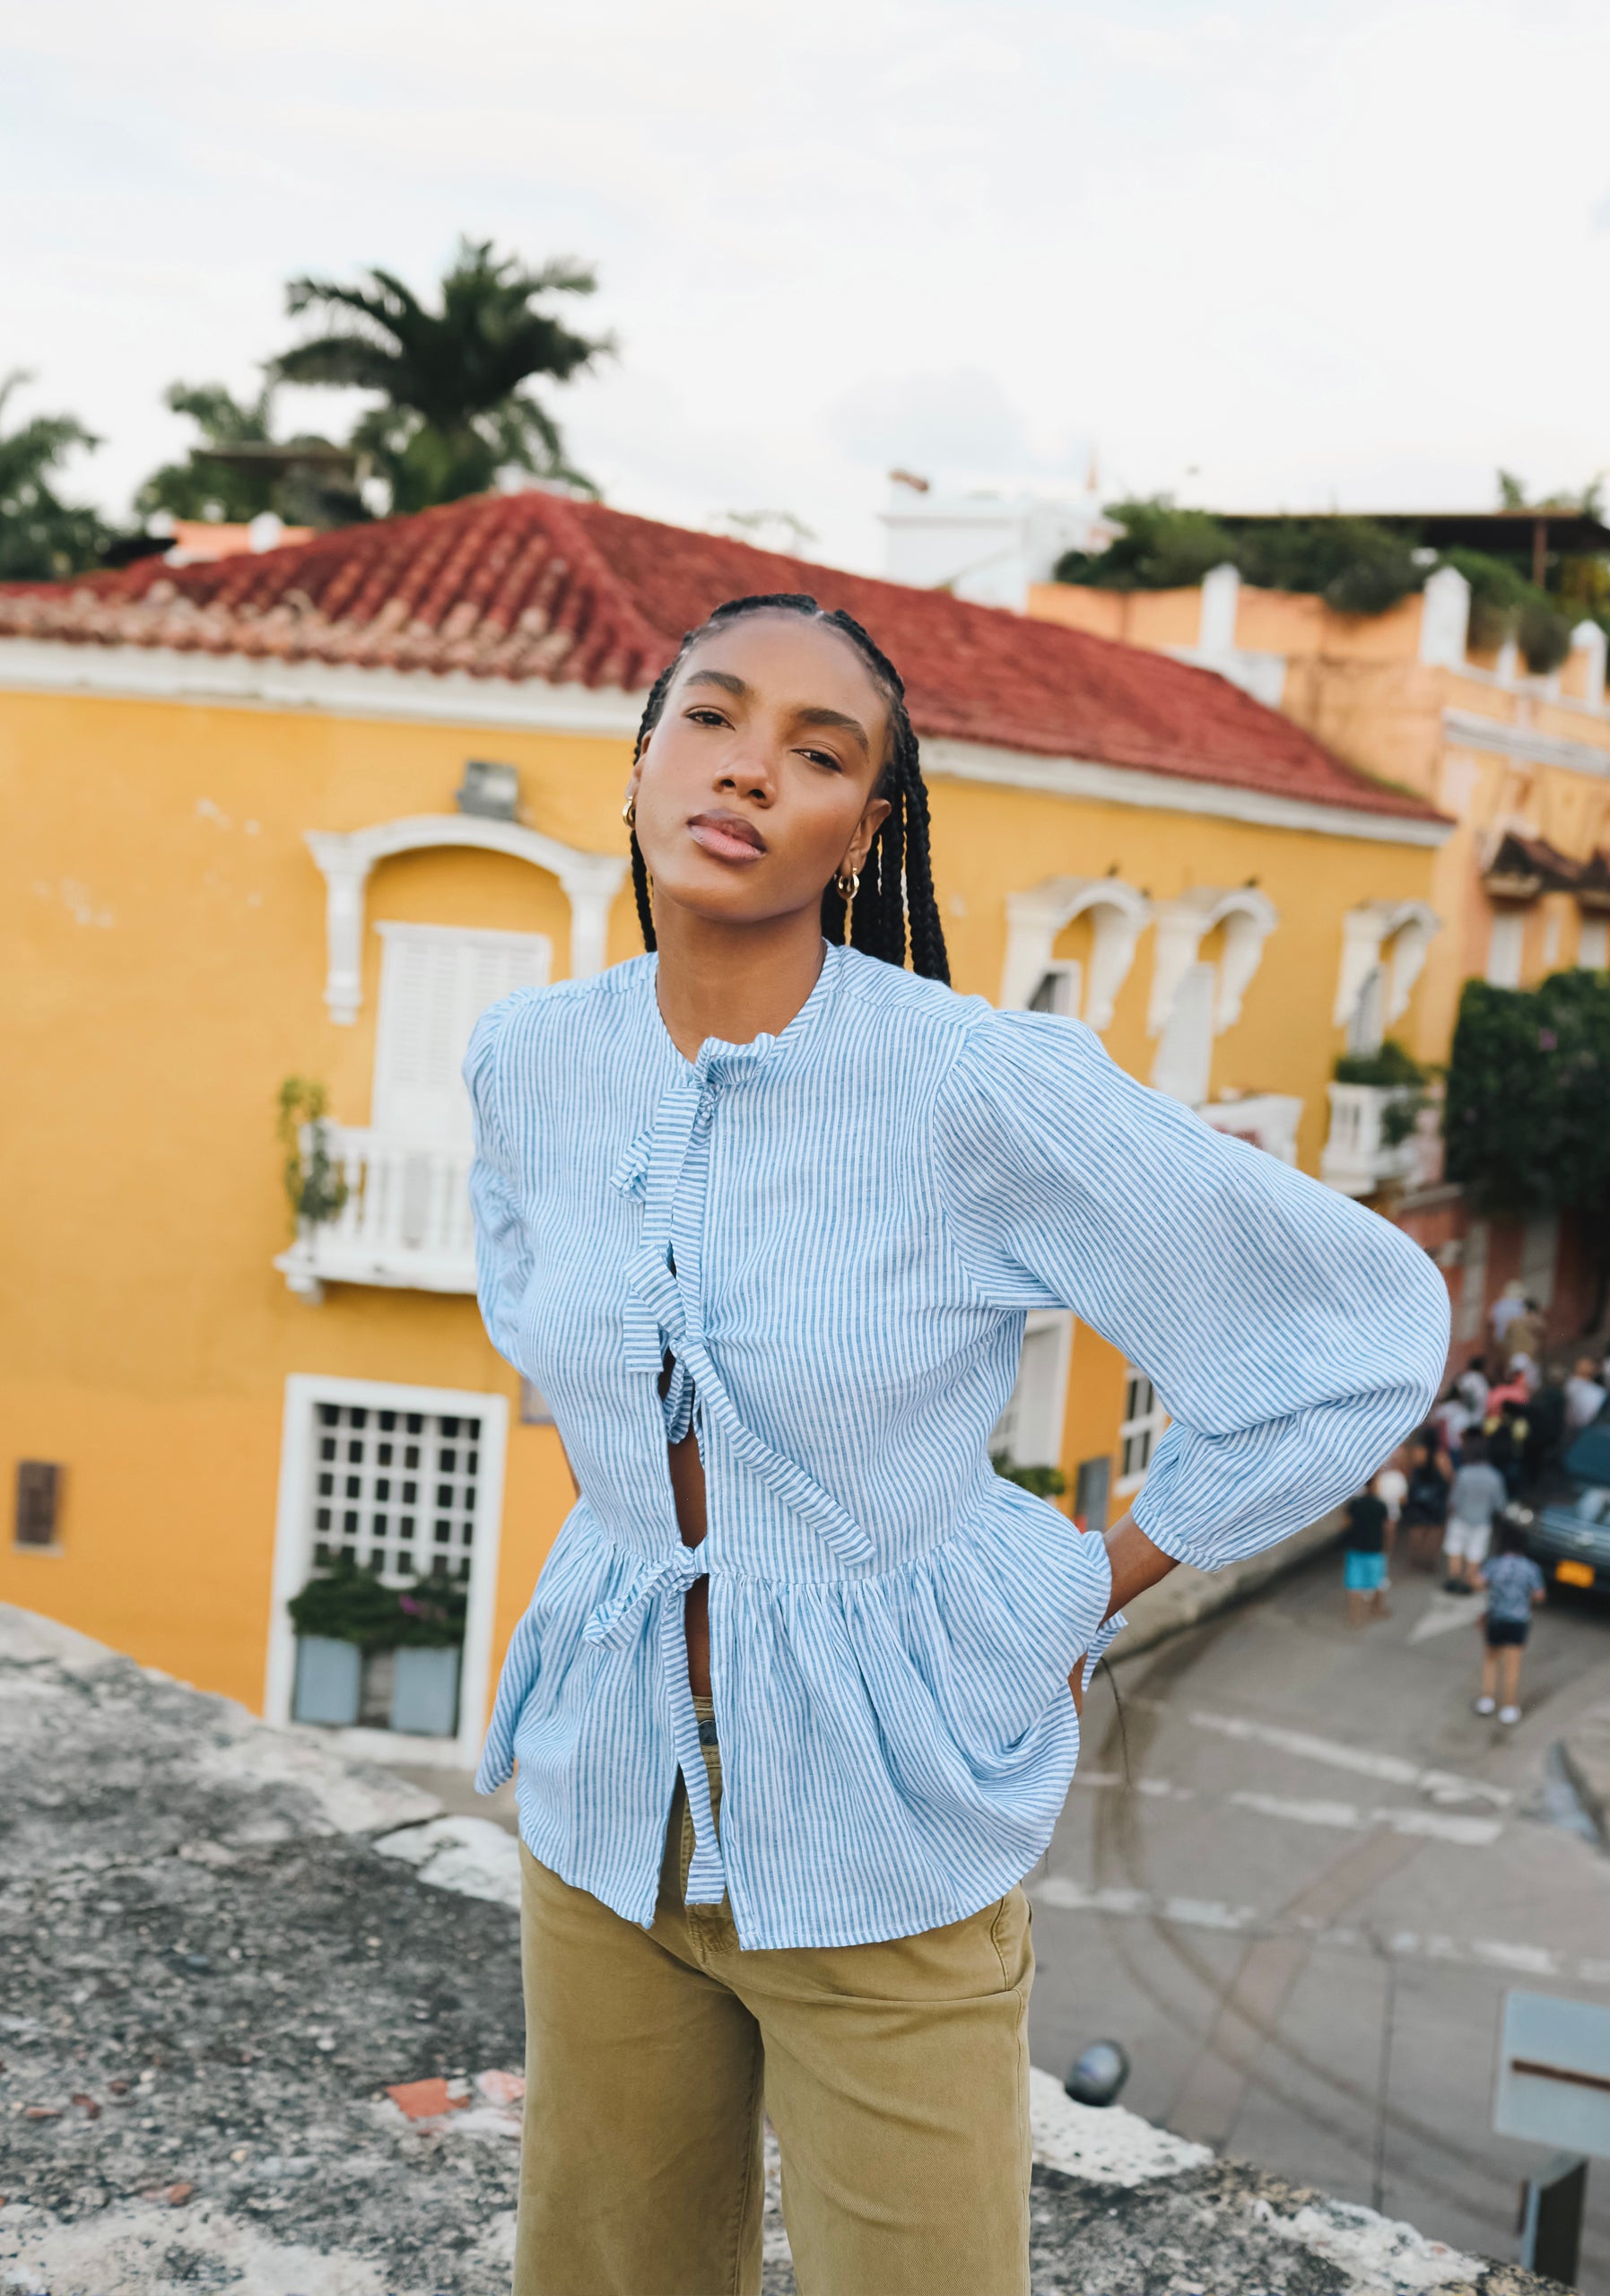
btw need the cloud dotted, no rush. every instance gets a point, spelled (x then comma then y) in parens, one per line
(1198, 233)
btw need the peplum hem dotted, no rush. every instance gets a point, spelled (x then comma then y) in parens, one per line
(911, 1733)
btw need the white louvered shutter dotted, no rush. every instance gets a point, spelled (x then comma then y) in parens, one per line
(436, 980)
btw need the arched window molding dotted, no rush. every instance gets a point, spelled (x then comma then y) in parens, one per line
(1391, 935)
(1247, 917)
(1119, 915)
(589, 881)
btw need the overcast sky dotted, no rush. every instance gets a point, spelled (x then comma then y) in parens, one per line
(1296, 253)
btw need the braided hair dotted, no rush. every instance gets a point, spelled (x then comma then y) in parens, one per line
(897, 878)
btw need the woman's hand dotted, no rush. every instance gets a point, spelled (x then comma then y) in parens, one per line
(1136, 1564)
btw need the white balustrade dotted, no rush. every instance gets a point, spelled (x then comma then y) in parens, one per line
(1357, 1157)
(1268, 1120)
(405, 1221)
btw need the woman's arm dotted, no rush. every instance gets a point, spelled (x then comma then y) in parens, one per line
(1136, 1565)
(1293, 1338)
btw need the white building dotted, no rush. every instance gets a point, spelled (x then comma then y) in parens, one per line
(985, 547)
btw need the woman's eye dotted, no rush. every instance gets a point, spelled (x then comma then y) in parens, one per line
(706, 717)
(823, 757)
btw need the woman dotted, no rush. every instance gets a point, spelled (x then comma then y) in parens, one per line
(796, 1703)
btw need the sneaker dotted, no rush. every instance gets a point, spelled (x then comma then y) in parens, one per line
(1453, 1585)
(1486, 1706)
(1510, 1714)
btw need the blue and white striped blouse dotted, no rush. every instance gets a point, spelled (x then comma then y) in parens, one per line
(836, 1233)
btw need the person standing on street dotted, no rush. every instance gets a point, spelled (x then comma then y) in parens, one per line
(1425, 1502)
(1546, 1424)
(1364, 1558)
(1584, 1396)
(1477, 1494)
(1391, 1488)
(1515, 1586)
(1471, 1387)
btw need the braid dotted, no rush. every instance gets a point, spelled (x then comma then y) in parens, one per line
(645, 726)
(897, 882)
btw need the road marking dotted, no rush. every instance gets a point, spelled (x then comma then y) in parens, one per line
(1342, 1817)
(1442, 1613)
(1155, 1789)
(1059, 1894)
(1430, 1825)
(1441, 1784)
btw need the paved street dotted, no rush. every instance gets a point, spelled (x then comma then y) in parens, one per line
(1297, 1878)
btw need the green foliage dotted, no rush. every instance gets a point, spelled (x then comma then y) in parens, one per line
(1389, 1065)
(1504, 605)
(202, 487)
(452, 412)
(1045, 1482)
(316, 1190)
(1355, 565)
(1587, 501)
(42, 538)
(350, 1605)
(1527, 1116)
(1160, 548)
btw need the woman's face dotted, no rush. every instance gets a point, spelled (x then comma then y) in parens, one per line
(756, 786)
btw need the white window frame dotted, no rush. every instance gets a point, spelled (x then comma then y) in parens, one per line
(1591, 938)
(1038, 1441)
(1061, 988)
(1506, 948)
(294, 1559)
(1145, 1426)
(401, 938)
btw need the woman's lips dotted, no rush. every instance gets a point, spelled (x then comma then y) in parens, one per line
(726, 836)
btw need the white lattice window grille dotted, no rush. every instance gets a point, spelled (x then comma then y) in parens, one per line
(395, 1491)
(436, 980)
(1140, 1429)
(407, 1482)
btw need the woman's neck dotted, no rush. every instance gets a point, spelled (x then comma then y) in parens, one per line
(733, 981)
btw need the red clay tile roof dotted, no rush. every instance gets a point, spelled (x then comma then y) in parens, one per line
(536, 586)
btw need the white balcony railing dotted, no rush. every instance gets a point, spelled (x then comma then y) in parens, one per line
(1358, 1159)
(1269, 1120)
(405, 1221)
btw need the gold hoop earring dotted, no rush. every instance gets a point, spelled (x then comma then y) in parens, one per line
(849, 884)
(628, 813)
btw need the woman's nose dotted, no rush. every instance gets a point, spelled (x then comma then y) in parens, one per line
(751, 778)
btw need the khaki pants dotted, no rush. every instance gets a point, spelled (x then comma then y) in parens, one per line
(895, 2075)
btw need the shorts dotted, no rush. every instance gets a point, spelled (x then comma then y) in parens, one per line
(1363, 1574)
(1506, 1633)
(1469, 1541)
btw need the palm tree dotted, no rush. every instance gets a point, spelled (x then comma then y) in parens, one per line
(452, 413)
(240, 469)
(42, 538)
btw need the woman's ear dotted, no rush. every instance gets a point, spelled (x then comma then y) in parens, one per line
(860, 845)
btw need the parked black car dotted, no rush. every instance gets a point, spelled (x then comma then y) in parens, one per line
(1570, 1538)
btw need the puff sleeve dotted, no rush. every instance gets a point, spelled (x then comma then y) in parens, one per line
(1292, 1337)
(503, 1252)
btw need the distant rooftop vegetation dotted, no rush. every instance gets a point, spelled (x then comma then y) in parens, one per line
(1535, 568)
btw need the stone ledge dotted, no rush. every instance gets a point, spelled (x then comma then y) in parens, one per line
(211, 1979)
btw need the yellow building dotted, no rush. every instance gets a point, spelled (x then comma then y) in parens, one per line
(1520, 766)
(303, 814)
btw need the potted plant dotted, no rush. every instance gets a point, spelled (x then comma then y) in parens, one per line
(366, 1650)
